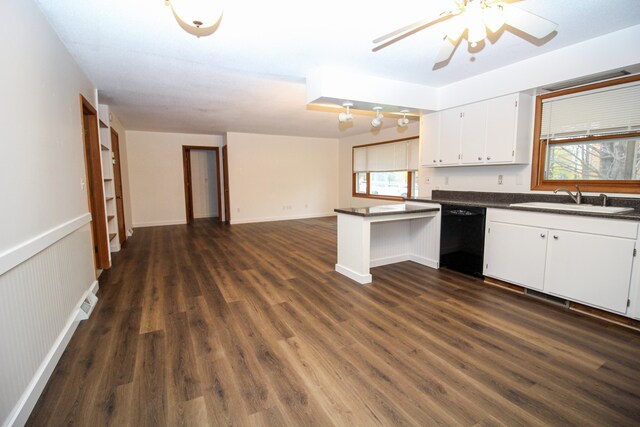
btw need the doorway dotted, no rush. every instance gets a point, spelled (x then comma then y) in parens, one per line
(117, 176)
(95, 190)
(201, 167)
(225, 173)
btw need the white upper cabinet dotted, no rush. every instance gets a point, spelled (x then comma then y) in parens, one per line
(449, 152)
(473, 133)
(496, 131)
(429, 131)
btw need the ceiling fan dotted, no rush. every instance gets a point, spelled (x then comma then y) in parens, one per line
(473, 17)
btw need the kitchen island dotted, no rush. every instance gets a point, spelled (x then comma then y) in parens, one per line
(381, 235)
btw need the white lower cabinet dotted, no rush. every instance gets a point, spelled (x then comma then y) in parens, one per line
(516, 253)
(591, 269)
(586, 260)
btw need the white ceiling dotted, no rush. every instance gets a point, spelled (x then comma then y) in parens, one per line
(250, 75)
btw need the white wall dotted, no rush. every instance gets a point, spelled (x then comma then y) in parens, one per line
(204, 180)
(156, 177)
(275, 177)
(46, 262)
(346, 170)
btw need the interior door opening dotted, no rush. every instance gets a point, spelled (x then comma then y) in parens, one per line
(202, 185)
(95, 190)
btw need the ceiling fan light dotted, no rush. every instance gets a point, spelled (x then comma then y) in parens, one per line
(476, 33)
(197, 17)
(494, 18)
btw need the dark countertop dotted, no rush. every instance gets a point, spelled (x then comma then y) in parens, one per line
(504, 200)
(382, 210)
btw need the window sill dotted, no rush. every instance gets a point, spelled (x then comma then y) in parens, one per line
(377, 197)
(628, 187)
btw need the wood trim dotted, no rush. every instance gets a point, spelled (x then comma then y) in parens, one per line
(117, 175)
(95, 189)
(225, 173)
(591, 86)
(186, 167)
(538, 158)
(594, 138)
(354, 193)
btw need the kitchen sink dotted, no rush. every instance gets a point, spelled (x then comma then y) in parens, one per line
(572, 207)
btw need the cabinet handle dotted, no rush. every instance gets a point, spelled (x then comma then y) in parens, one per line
(488, 158)
(440, 160)
(479, 158)
(542, 235)
(555, 237)
(434, 160)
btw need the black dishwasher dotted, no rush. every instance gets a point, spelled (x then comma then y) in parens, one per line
(462, 239)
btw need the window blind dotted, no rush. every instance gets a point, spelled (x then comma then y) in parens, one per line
(393, 156)
(360, 159)
(606, 111)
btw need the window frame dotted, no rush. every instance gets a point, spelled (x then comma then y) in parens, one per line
(538, 182)
(354, 175)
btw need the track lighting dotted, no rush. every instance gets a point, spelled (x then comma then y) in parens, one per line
(377, 120)
(403, 121)
(346, 117)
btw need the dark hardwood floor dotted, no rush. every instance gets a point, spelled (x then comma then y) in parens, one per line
(250, 325)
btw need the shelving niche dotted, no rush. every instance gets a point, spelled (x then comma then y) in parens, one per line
(107, 175)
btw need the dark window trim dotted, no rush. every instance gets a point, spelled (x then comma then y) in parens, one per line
(540, 148)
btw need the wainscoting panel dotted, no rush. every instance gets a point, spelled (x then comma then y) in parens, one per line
(38, 303)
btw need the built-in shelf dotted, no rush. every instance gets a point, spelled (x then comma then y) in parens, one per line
(104, 147)
(110, 217)
(109, 198)
(108, 179)
(103, 124)
(111, 236)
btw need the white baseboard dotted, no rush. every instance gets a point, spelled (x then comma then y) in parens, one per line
(281, 218)
(20, 413)
(433, 263)
(389, 260)
(159, 223)
(363, 279)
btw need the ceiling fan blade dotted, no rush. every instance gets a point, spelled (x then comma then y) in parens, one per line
(403, 32)
(457, 26)
(446, 50)
(528, 22)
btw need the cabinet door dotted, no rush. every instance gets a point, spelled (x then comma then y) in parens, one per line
(501, 129)
(450, 121)
(515, 253)
(473, 134)
(430, 138)
(591, 269)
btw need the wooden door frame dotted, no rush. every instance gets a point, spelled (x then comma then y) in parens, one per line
(95, 184)
(225, 173)
(188, 188)
(117, 186)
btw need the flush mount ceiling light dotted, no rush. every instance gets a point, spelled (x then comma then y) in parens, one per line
(205, 16)
(403, 121)
(474, 17)
(346, 117)
(377, 120)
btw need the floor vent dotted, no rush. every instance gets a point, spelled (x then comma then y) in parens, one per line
(546, 297)
(87, 307)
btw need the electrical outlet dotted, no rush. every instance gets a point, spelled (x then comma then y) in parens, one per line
(500, 180)
(82, 185)
(446, 180)
(427, 180)
(518, 179)
(306, 205)
(238, 210)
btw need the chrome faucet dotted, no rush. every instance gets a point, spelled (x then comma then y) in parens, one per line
(577, 198)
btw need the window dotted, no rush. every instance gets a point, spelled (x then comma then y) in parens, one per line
(589, 136)
(386, 170)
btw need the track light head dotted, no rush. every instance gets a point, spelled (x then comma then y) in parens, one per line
(377, 120)
(403, 121)
(346, 117)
